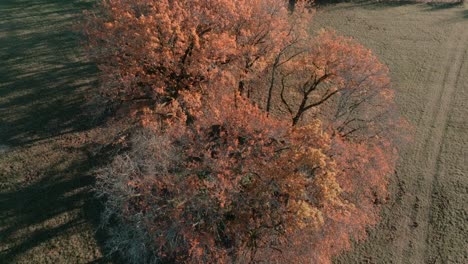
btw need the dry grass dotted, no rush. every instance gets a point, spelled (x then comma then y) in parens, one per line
(425, 46)
(46, 214)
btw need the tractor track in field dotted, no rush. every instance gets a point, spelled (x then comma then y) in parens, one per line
(411, 236)
(427, 53)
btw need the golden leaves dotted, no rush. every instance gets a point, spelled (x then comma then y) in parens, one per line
(108, 25)
(307, 216)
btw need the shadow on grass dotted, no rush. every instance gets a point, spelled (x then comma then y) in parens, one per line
(371, 4)
(464, 14)
(43, 77)
(59, 203)
(376, 4)
(441, 6)
(56, 207)
(43, 80)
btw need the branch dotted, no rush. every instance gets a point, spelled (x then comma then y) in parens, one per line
(282, 97)
(321, 101)
(318, 81)
(351, 131)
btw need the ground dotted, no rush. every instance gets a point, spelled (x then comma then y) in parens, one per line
(48, 215)
(426, 49)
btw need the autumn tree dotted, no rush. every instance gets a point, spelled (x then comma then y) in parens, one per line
(152, 50)
(232, 187)
(333, 77)
(214, 174)
(340, 82)
(149, 51)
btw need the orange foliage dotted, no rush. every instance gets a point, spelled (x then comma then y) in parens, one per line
(334, 78)
(216, 179)
(151, 50)
(240, 186)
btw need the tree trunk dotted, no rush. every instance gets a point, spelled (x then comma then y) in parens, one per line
(292, 4)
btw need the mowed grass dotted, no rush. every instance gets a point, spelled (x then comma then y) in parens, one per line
(46, 211)
(48, 215)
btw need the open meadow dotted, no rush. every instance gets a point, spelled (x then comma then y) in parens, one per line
(48, 136)
(426, 49)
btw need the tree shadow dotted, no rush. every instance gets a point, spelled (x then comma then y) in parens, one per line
(382, 4)
(371, 4)
(58, 204)
(428, 6)
(44, 77)
(435, 6)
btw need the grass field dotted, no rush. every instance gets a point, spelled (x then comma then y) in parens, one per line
(426, 48)
(47, 214)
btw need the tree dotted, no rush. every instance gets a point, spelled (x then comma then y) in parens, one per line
(335, 77)
(212, 174)
(151, 50)
(232, 187)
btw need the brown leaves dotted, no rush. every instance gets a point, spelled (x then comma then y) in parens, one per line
(155, 50)
(335, 79)
(215, 178)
